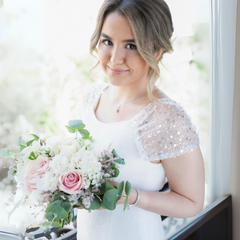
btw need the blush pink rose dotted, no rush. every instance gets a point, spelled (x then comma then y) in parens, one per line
(37, 168)
(70, 182)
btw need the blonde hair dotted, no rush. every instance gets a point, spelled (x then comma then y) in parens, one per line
(151, 24)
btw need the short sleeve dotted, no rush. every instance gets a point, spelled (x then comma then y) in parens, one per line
(164, 130)
(89, 98)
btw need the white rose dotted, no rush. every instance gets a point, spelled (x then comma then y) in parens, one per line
(34, 148)
(69, 146)
(54, 144)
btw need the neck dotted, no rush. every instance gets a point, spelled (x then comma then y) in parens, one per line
(128, 92)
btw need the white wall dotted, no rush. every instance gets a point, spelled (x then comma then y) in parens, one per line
(235, 169)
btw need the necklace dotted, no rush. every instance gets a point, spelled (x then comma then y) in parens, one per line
(120, 104)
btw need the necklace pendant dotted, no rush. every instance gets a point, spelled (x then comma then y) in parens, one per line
(118, 108)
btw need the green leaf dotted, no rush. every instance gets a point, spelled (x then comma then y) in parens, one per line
(66, 206)
(21, 141)
(128, 188)
(49, 216)
(35, 136)
(120, 190)
(75, 123)
(125, 203)
(30, 142)
(55, 224)
(108, 186)
(102, 189)
(95, 204)
(70, 129)
(116, 172)
(60, 212)
(119, 160)
(52, 205)
(22, 147)
(110, 199)
(4, 152)
(85, 133)
(32, 156)
(46, 224)
(81, 127)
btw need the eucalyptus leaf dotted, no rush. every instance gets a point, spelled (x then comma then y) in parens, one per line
(75, 123)
(116, 172)
(66, 206)
(108, 186)
(95, 204)
(49, 216)
(4, 152)
(128, 188)
(110, 199)
(60, 212)
(85, 133)
(125, 203)
(81, 126)
(102, 189)
(120, 161)
(120, 189)
(55, 224)
(46, 224)
(52, 205)
(70, 129)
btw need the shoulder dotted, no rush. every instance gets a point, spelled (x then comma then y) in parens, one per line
(88, 98)
(93, 93)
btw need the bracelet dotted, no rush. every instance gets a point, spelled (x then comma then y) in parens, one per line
(138, 196)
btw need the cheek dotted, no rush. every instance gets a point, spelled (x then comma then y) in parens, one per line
(103, 54)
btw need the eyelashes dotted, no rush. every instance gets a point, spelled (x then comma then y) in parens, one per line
(129, 46)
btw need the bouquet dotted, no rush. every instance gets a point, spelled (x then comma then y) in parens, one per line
(61, 172)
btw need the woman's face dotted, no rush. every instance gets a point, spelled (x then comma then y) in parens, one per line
(118, 54)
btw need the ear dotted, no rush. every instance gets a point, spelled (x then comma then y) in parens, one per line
(158, 54)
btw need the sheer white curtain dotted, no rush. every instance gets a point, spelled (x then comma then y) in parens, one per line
(223, 37)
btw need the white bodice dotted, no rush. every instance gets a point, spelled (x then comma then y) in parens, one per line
(157, 132)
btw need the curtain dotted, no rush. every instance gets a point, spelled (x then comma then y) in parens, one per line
(223, 37)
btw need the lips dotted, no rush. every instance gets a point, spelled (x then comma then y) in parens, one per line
(117, 71)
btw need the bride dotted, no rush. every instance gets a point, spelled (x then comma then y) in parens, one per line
(152, 132)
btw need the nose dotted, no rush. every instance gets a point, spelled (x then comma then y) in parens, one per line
(117, 55)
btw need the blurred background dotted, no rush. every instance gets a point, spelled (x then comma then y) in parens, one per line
(44, 69)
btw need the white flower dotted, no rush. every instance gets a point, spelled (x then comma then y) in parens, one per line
(69, 146)
(86, 201)
(73, 198)
(54, 144)
(59, 164)
(86, 161)
(49, 182)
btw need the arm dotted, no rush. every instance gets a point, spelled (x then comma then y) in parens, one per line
(186, 178)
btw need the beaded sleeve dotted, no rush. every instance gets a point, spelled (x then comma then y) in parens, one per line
(164, 131)
(89, 98)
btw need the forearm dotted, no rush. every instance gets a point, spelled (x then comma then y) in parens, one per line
(167, 203)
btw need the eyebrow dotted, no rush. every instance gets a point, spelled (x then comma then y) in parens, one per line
(126, 40)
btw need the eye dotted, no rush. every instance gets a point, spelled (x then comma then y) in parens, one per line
(132, 47)
(107, 42)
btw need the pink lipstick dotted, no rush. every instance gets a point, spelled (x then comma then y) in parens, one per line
(117, 71)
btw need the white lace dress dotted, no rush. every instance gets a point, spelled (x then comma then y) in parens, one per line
(156, 132)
